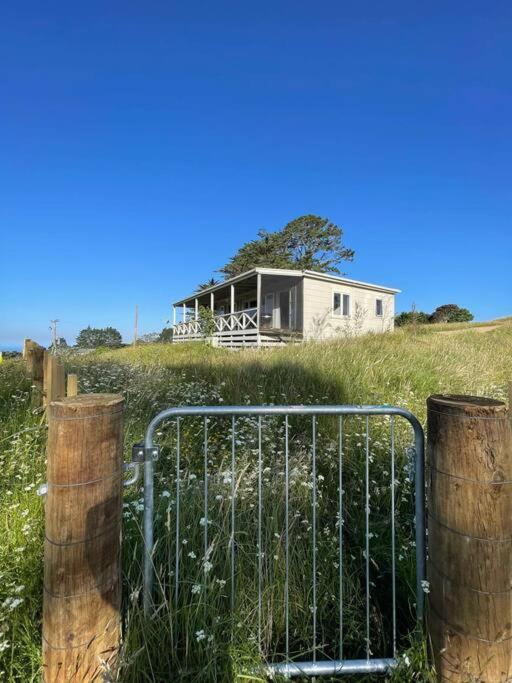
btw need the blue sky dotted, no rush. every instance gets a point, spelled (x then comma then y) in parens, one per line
(142, 143)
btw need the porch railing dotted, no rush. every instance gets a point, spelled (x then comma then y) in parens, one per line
(228, 322)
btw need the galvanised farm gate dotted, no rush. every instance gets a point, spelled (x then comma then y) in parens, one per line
(237, 422)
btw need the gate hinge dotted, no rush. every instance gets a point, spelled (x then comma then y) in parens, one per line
(141, 454)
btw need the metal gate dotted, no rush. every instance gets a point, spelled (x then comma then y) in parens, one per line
(146, 455)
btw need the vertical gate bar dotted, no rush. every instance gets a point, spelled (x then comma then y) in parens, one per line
(205, 516)
(367, 535)
(148, 535)
(233, 489)
(340, 530)
(177, 560)
(313, 468)
(286, 542)
(419, 505)
(393, 561)
(260, 511)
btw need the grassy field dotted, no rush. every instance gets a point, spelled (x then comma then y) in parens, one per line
(195, 639)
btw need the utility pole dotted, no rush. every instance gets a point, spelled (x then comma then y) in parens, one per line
(54, 334)
(136, 325)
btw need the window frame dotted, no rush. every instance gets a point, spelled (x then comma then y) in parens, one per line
(344, 298)
(381, 302)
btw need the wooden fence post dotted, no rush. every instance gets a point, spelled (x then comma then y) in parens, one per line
(54, 378)
(34, 358)
(72, 385)
(81, 605)
(470, 538)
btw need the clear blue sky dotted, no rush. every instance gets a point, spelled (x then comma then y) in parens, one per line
(142, 143)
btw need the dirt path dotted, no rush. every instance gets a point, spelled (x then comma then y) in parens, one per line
(482, 328)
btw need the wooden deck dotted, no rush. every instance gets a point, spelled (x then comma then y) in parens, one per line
(235, 330)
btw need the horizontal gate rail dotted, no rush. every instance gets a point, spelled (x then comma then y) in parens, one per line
(302, 668)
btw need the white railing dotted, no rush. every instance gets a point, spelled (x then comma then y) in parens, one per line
(226, 323)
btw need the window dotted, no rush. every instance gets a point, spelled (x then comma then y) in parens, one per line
(346, 304)
(340, 304)
(336, 304)
(378, 308)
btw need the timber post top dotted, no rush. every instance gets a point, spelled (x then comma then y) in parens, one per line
(85, 405)
(468, 406)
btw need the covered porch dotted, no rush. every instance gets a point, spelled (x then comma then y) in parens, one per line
(253, 309)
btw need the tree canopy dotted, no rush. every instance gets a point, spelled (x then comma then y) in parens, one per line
(447, 313)
(209, 283)
(306, 243)
(93, 337)
(411, 318)
(451, 313)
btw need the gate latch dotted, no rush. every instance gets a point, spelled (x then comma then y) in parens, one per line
(141, 454)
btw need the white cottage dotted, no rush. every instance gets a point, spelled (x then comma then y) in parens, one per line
(269, 306)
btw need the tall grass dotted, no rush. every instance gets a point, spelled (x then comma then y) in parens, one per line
(195, 638)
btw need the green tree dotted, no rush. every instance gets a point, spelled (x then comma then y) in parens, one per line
(165, 335)
(451, 313)
(94, 337)
(306, 243)
(411, 318)
(209, 283)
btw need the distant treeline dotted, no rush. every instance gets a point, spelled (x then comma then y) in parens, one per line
(447, 313)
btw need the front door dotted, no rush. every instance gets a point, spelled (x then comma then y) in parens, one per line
(267, 318)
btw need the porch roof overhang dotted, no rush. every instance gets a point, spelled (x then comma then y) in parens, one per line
(243, 277)
(225, 284)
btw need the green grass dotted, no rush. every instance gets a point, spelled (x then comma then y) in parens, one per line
(402, 368)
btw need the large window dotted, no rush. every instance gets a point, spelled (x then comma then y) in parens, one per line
(378, 308)
(340, 304)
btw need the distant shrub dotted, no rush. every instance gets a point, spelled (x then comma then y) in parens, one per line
(207, 319)
(94, 337)
(411, 318)
(451, 313)
(165, 336)
(149, 338)
(61, 344)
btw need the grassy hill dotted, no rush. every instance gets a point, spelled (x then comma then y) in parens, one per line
(401, 368)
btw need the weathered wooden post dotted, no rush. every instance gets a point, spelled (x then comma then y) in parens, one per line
(54, 378)
(72, 385)
(470, 538)
(34, 358)
(81, 606)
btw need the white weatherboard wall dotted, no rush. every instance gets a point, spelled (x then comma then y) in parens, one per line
(320, 321)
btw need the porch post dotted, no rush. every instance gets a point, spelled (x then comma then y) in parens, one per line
(258, 305)
(173, 315)
(184, 313)
(232, 298)
(212, 302)
(196, 312)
